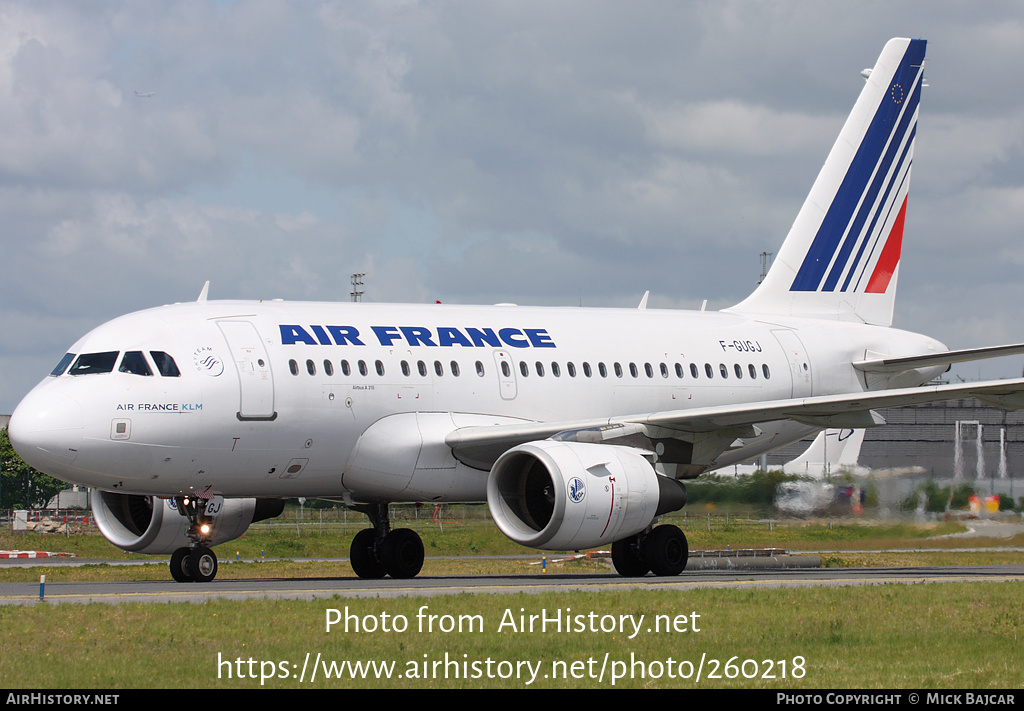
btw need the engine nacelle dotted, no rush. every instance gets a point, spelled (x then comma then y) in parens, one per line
(147, 524)
(572, 495)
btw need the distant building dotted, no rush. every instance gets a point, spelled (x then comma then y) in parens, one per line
(925, 435)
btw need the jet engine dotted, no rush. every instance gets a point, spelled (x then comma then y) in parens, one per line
(572, 495)
(147, 524)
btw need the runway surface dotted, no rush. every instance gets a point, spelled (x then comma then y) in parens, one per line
(352, 587)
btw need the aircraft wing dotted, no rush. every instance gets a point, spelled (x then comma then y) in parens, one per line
(898, 365)
(482, 444)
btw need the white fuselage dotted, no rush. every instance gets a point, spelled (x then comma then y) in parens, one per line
(272, 397)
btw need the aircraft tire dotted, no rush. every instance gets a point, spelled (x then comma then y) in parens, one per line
(403, 553)
(628, 559)
(666, 550)
(180, 570)
(362, 558)
(202, 564)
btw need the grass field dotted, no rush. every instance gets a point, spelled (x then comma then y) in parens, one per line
(951, 635)
(891, 636)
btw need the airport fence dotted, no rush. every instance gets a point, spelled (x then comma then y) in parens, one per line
(47, 520)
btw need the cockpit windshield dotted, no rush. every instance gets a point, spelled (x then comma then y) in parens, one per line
(63, 365)
(135, 363)
(92, 363)
(165, 364)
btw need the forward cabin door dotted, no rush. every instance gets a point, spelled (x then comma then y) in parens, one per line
(255, 381)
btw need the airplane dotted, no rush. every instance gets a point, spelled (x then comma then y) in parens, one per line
(145, 94)
(832, 451)
(577, 426)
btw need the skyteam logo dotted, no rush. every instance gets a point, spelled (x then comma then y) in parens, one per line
(857, 245)
(576, 489)
(206, 361)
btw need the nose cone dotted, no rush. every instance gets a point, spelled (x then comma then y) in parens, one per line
(46, 430)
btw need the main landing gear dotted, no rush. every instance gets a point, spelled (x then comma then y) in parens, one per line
(379, 551)
(663, 551)
(196, 563)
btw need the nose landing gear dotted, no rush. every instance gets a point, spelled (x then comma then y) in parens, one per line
(196, 563)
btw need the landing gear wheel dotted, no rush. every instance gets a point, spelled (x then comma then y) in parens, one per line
(363, 558)
(666, 550)
(628, 559)
(179, 566)
(403, 553)
(202, 563)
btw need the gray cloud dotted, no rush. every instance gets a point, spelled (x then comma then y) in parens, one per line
(477, 152)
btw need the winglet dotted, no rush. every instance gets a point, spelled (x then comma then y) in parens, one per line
(204, 292)
(643, 301)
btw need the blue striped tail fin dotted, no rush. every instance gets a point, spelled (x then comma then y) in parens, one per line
(841, 258)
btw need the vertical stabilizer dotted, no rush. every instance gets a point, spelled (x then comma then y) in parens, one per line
(841, 257)
(832, 451)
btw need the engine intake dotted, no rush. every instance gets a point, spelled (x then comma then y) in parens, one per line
(146, 524)
(571, 495)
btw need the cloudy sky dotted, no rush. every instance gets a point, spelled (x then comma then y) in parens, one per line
(476, 152)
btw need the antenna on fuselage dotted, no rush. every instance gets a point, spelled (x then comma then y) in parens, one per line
(204, 292)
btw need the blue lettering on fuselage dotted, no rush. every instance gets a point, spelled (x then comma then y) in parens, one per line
(443, 336)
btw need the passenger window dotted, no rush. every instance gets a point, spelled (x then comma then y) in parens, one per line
(708, 370)
(380, 367)
(586, 370)
(135, 363)
(422, 368)
(363, 370)
(480, 369)
(438, 368)
(752, 370)
(764, 369)
(693, 370)
(63, 365)
(555, 370)
(679, 370)
(311, 367)
(540, 368)
(618, 370)
(602, 370)
(346, 369)
(455, 368)
(738, 370)
(293, 366)
(406, 371)
(572, 369)
(524, 368)
(664, 370)
(505, 370)
(165, 364)
(632, 369)
(723, 370)
(328, 367)
(92, 363)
